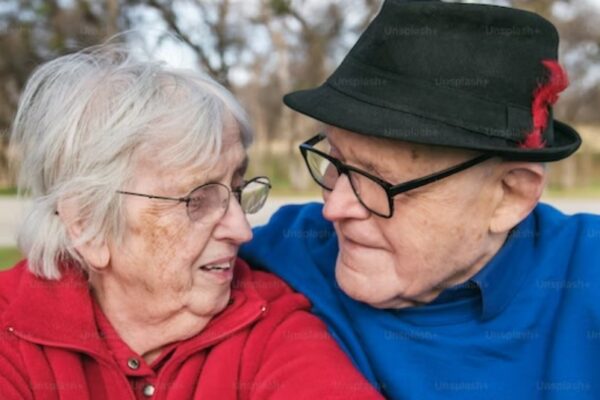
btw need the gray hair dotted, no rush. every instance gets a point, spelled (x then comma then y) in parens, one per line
(82, 118)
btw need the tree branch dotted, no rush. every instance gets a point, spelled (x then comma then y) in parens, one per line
(170, 19)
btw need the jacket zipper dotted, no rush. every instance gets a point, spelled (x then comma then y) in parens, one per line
(171, 363)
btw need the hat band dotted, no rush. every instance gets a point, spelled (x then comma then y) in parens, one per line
(443, 104)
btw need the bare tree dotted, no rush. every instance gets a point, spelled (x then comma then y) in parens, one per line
(260, 49)
(217, 52)
(32, 32)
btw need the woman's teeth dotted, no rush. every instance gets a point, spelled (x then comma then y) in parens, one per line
(220, 267)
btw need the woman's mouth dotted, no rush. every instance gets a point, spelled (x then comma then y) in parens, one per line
(216, 267)
(222, 270)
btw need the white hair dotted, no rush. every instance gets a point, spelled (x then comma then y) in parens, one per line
(81, 119)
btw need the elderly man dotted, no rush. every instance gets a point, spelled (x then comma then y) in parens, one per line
(431, 260)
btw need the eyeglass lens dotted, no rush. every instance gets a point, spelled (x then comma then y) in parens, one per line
(254, 195)
(208, 202)
(211, 201)
(370, 193)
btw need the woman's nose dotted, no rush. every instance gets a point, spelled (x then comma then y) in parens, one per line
(234, 225)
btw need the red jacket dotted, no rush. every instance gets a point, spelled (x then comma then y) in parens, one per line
(56, 344)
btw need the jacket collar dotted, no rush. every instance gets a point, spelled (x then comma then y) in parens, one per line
(60, 313)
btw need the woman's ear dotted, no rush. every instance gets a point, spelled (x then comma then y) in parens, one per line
(95, 252)
(522, 186)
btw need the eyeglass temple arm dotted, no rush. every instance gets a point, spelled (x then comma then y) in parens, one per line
(149, 196)
(403, 187)
(313, 140)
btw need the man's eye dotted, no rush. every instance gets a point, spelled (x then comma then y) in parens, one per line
(333, 152)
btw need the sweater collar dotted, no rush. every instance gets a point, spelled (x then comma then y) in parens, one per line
(60, 313)
(487, 293)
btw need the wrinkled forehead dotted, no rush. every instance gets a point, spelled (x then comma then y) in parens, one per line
(231, 160)
(390, 159)
(355, 143)
(389, 148)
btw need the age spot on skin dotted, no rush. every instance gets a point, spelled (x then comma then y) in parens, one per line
(158, 237)
(414, 154)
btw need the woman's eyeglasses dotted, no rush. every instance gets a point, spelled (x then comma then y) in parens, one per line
(209, 202)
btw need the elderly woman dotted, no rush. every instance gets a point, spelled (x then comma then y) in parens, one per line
(131, 287)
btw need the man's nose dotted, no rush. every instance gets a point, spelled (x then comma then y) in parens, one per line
(342, 203)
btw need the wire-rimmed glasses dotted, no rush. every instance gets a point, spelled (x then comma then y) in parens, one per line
(210, 201)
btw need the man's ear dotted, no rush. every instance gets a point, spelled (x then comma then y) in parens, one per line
(95, 252)
(522, 184)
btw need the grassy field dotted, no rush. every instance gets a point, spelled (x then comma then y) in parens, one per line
(8, 257)
(590, 192)
(8, 191)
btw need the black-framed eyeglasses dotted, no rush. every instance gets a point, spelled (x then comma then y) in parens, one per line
(374, 193)
(209, 202)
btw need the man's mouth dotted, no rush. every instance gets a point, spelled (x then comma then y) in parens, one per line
(357, 243)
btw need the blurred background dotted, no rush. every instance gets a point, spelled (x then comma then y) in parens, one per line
(262, 49)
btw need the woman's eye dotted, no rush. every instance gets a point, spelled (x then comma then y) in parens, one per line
(237, 183)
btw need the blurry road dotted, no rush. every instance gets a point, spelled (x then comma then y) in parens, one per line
(12, 209)
(568, 206)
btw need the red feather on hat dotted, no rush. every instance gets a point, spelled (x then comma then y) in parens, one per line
(543, 97)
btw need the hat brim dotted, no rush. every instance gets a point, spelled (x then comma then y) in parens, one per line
(332, 107)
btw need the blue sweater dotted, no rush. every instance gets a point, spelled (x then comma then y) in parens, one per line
(527, 326)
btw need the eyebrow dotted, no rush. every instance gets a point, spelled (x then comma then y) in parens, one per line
(242, 167)
(367, 165)
(239, 171)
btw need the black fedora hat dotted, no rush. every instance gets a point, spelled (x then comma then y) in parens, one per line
(449, 74)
